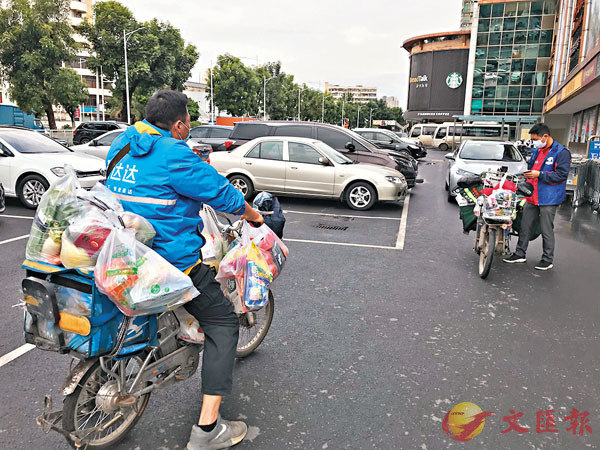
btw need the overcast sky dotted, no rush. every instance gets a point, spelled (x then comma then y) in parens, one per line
(342, 42)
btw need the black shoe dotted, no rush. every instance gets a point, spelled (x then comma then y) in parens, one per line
(514, 259)
(544, 265)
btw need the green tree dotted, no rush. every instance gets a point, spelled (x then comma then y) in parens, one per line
(70, 91)
(35, 38)
(235, 86)
(157, 55)
(193, 109)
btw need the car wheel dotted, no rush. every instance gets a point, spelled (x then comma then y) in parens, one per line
(243, 184)
(361, 196)
(450, 197)
(446, 186)
(84, 140)
(30, 190)
(444, 147)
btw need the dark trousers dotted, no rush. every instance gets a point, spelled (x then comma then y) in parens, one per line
(531, 214)
(221, 329)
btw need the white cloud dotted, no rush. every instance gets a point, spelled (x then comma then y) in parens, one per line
(346, 42)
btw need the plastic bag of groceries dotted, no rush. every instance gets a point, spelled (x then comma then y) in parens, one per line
(214, 248)
(245, 276)
(189, 328)
(144, 231)
(273, 250)
(57, 206)
(269, 205)
(137, 279)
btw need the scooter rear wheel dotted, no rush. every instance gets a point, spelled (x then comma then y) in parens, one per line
(92, 404)
(252, 335)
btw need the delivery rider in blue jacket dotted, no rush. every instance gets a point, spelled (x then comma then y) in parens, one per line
(548, 172)
(163, 180)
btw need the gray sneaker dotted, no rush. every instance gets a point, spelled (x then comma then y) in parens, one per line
(226, 434)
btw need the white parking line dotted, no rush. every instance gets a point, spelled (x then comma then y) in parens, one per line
(14, 239)
(402, 230)
(342, 244)
(16, 217)
(10, 356)
(287, 211)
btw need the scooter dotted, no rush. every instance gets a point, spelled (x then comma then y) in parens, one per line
(118, 361)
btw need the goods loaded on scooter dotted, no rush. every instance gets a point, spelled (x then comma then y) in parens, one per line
(491, 204)
(96, 290)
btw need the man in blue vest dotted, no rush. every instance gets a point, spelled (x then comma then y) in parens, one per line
(157, 175)
(548, 172)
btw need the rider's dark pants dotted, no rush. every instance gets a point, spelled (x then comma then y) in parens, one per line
(221, 328)
(531, 214)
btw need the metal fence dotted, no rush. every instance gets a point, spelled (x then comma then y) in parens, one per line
(64, 135)
(588, 184)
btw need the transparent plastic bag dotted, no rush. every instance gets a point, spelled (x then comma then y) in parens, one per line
(272, 248)
(84, 237)
(189, 328)
(144, 231)
(214, 249)
(137, 279)
(57, 206)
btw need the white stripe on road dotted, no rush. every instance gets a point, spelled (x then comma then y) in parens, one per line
(16, 217)
(402, 230)
(287, 211)
(343, 244)
(15, 354)
(14, 239)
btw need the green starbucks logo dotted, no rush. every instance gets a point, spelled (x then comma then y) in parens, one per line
(454, 80)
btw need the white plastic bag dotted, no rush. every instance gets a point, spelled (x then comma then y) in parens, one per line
(137, 279)
(271, 247)
(213, 250)
(144, 231)
(189, 328)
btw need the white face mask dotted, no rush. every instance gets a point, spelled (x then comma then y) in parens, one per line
(539, 144)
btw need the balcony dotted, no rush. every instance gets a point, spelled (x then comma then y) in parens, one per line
(79, 6)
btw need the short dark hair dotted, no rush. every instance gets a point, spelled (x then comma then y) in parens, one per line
(166, 107)
(540, 129)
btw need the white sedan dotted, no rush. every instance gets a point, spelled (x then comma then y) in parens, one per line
(308, 168)
(98, 146)
(30, 161)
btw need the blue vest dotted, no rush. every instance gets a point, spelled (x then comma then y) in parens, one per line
(552, 183)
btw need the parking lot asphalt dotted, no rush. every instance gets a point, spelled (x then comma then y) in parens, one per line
(370, 347)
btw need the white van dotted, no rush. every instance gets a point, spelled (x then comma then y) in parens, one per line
(424, 132)
(445, 134)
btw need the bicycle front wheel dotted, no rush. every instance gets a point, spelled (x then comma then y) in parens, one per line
(254, 329)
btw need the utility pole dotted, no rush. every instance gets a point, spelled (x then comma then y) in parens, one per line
(323, 108)
(102, 93)
(343, 102)
(97, 99)
(371, 118)
(358, 117)
(125, 35)
(212, 96)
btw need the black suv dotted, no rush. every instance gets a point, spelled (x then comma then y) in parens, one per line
(216, 136)
(387, 139)
(87, 131)
(341, 139)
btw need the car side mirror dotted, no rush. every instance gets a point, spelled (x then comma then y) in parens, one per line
(350, 146)
(324, 161)
(391, 141)
(450, 156)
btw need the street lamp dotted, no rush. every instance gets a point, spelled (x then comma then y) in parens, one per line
(265, 81)
(125, 36)
(371, 118)
(343, 104)
(358, 117)
(299, 92)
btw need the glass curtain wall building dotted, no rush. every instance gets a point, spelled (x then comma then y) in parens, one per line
(512, 57)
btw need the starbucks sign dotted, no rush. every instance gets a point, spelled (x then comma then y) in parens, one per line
(454, 80)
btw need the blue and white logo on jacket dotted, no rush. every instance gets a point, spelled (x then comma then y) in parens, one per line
(550, 160)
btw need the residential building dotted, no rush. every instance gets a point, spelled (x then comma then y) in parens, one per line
(438, 73)
(572, 107)
(197, 92)
(356, 94)
(511, 45)
(391, 101)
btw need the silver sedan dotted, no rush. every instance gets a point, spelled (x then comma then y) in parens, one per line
(475, 157)
(308, 168)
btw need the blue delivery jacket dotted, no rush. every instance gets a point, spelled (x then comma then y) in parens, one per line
(552, 183)
(163, 180)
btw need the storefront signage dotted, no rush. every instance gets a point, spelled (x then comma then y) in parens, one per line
(454, 80)
(594, 152)
(572, 86)
(589, 73)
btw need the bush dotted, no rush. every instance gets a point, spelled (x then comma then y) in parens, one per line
(195, 123)
(67, 127)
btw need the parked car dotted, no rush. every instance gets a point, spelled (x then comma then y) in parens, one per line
(424, 133)
(347, 142)
(30, 161)
(87, 131)
(475, 157)
(387, 139)
(214, 135)
(98, 146)
(307, 167)
(2, 199)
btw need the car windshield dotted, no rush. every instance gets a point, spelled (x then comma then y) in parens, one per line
(368, 145)
(332, 154)
(31, 142)
(490, 151)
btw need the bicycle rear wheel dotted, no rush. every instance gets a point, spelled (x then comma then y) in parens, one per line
(252, 334)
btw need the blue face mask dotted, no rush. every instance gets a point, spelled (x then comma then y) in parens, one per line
(188, 134)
